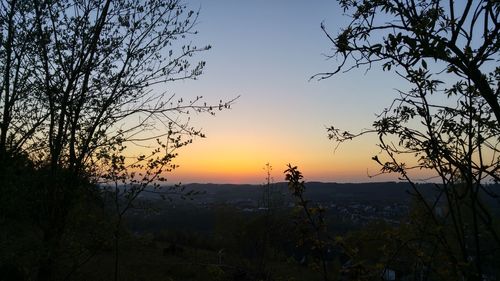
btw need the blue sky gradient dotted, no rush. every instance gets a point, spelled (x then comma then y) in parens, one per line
(266, 51)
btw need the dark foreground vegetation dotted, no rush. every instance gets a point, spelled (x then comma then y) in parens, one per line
(234, 232)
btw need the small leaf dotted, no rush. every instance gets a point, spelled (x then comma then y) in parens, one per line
(424, 64)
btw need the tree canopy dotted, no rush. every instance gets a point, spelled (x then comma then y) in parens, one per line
(447, 121)
(80, 81)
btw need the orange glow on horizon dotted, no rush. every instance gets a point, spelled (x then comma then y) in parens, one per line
(240, 158)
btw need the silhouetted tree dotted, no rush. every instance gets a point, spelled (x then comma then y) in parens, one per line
(268, 227)
(81, 80)
(448, 120)
(310, 222)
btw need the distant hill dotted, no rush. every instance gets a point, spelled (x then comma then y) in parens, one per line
(318, 191)
(376, 192)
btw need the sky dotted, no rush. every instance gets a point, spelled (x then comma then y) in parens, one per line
(265, 52)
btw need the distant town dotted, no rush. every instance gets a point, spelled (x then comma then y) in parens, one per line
(355, 204)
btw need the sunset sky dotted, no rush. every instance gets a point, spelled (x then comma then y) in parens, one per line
(265, 52)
